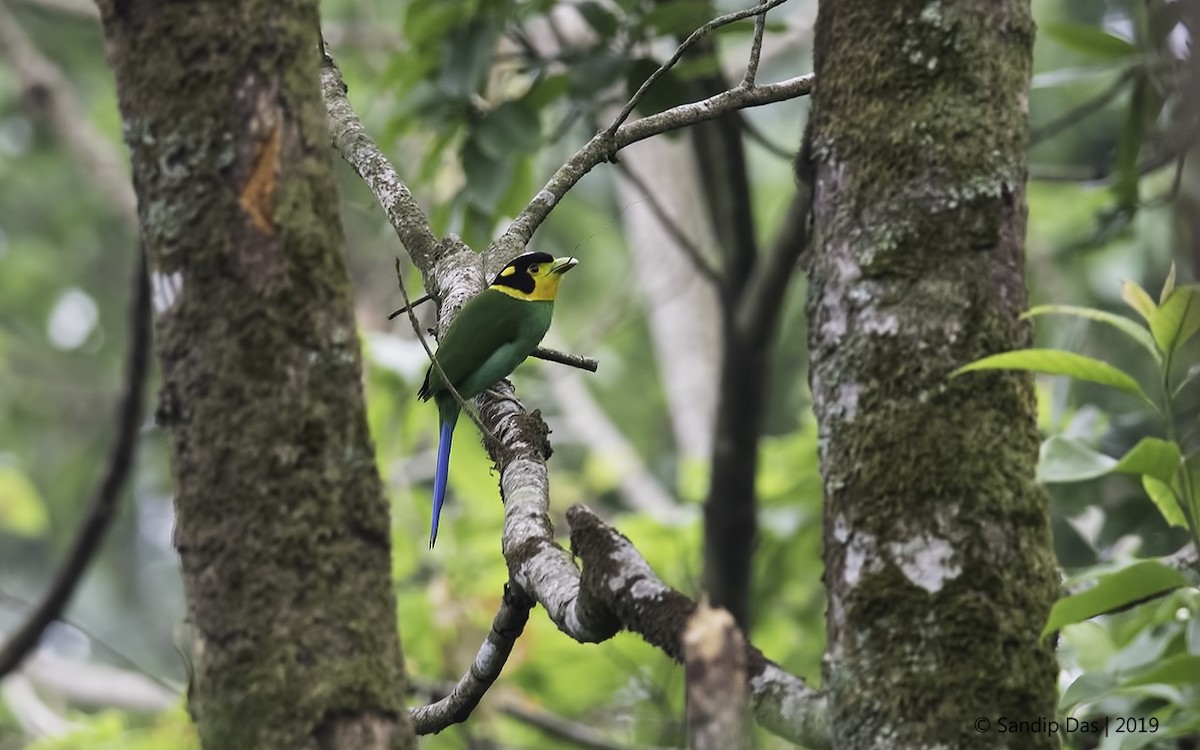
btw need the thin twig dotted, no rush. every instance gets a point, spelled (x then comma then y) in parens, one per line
(419, 301)
(689, 248)
(104, 499)
(760, 26)
(565, 358)
(437, 365)
(695, 36)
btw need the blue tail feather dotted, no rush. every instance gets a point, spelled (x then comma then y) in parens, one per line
(439, 480)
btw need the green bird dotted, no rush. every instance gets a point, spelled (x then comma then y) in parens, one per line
(493, 333)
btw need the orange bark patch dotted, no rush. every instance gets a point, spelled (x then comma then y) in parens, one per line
(258, 195)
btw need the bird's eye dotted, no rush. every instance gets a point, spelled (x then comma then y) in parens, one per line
(533, 270)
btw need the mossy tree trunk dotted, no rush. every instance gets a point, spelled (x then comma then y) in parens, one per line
(939, 565)
(282, 526)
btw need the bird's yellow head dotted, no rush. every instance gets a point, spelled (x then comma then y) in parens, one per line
(533, 276)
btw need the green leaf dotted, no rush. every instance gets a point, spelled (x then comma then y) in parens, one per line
(1168, 286)
(466, 58)
(676, 17)
(598, 17)
(431, 161)
(1141, 580)
(595, 72)
(1125, 325)
(520, 187)
(1151, 457)
(21, 508)
(1129, 145)
(427, 21)
(1089, 687)
(510, 129)
(1089, 40)
(1181, 669)
(1191, 465)
(546, 90)
(1064, 459)
(1137, 298)
(1165, 498)
(1097, 73)
(487, 177)
(1178, 319)
(1055, 362)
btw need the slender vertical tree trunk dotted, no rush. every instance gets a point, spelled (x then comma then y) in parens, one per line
(939, 565)
(281, 525)
(730, 511)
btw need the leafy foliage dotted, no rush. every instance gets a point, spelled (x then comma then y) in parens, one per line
(1163, 688)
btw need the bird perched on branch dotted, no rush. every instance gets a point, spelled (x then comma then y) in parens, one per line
(493, 333)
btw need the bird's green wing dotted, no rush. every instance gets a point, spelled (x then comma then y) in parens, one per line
(487, 340)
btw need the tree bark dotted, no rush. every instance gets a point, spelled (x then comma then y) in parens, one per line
(282, 526)
(939, 565)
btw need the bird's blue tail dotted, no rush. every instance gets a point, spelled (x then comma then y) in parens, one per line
(439, 480)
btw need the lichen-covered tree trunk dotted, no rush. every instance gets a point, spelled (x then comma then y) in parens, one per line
(939, 565)
(281, 526)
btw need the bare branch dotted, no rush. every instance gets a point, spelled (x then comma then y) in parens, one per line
(410, 306)
(703, 31)
(107, 492)
(565, 358)
(603, 146)
(363, 154)
(462, 699)
(760, 26)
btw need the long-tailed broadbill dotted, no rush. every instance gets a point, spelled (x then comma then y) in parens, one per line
(492, 334)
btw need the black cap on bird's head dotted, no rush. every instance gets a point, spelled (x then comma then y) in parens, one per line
(533, 276)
